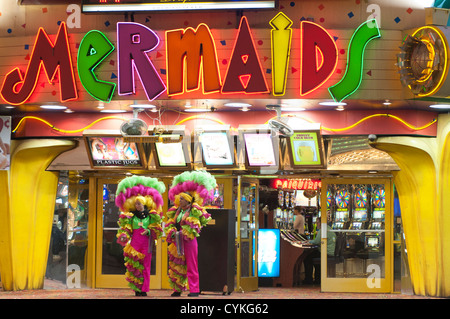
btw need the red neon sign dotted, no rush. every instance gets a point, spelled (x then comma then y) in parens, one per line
(55, 58)
(297, 184)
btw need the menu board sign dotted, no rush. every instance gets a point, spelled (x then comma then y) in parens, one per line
(113, 151)
(305, 149)
(260, 149)
(216, 149)
(170, 154)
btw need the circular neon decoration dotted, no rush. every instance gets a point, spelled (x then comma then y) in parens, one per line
(330, 198)
(361, 198)
(423, 62)
(379, 198)
(342, 198)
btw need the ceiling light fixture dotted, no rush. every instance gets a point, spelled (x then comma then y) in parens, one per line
(292, 109)
(440, 106)
(112, 111)
(237, 104)
(197, 110)
(332, 103)
(143, 106)
(53, 107)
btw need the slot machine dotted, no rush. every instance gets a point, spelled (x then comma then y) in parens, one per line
(342, 201)
(361, 206)
(279, 210)
(374, 241)
(378, 205)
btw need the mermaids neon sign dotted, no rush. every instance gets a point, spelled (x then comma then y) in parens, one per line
(191, 62)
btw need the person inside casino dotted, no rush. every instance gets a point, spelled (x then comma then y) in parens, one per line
(140, 202)
(184, 222)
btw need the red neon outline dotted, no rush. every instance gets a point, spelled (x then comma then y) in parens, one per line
(319, 62)
(257, 56)
(245, 79)
(301, 60)
(200, 66)
(50, 80)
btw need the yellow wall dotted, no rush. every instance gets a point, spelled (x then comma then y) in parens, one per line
(28, 195)
(424, 192)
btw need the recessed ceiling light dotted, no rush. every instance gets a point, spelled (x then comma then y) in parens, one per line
(143, 106)
(112, 111)
(245, 109)
(332, 103)
(68, 111)
(10, 107)
(53, 107)
(440, 106)
(237, 104)
(340, 108)
(197, 110)
(387, 102)
(292, 109)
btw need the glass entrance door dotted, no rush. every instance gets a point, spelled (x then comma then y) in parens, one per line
(110, 269)
(247, 234)
(357, 216)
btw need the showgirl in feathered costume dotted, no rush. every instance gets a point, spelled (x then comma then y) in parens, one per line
(184, 222)
(140, 202)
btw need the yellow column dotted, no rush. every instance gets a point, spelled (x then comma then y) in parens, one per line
(30, 193)
(424, 192)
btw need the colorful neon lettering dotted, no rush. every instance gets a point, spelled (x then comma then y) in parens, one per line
(134, 40)
(55, 58)
(244, 74)
(196, 50)
(353, 74)
(281, 35)
(319, 56)
(94, 48)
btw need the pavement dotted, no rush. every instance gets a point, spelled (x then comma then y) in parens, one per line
(57, 290)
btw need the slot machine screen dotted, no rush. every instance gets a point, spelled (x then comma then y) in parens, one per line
(341, 216)
(378, 215)
(372, 242)
(360, 215)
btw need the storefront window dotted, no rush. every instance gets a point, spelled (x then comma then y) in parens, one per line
(356, 214)
(69, 236)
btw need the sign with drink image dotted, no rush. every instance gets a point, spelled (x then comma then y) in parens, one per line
(306, 149)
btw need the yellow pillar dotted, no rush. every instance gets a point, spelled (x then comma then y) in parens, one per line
(29, 194)
(424, 192)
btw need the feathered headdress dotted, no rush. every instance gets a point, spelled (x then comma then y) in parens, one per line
(131, 187)
(198, 184)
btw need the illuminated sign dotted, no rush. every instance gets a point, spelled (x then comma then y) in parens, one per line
(111, 151)
(191, 50)
(191, 58)
(355, 58)
(268, 253)
(297, 184)
(94, 48)
(54, 58)
(164, 5)
(281, 35)
(319, 57)
(305, 149)
(244, 74)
